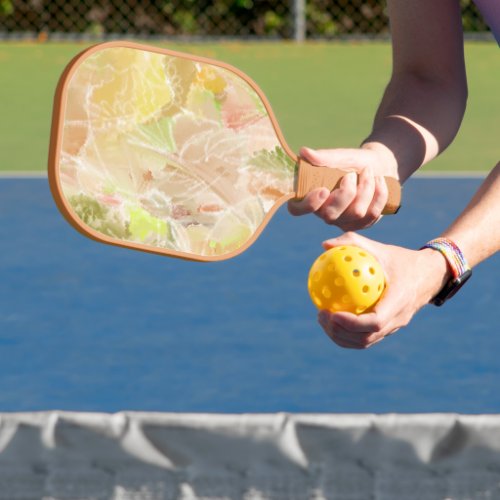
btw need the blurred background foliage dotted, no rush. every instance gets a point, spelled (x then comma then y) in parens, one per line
(205, 18)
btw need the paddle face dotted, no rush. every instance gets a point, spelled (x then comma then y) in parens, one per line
(165, 152)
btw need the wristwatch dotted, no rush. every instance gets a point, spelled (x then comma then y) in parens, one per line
(460, 270)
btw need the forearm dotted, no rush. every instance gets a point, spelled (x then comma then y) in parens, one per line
(424, 103)
(416, 121)
(477, 230)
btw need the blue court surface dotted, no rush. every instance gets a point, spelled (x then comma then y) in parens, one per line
(90, 327)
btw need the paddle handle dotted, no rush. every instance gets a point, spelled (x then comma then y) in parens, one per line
(311, 177)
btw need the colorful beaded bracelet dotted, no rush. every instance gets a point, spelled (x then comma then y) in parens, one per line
(460, 269)
(452, 254)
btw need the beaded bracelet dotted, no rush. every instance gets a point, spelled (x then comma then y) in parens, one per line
(459, 267)
(452, 254)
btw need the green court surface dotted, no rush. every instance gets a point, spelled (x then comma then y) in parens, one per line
(324, 95)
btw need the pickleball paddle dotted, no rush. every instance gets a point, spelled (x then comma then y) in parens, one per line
(172, 153)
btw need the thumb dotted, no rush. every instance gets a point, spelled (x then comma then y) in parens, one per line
(338, 158)
(349, 238)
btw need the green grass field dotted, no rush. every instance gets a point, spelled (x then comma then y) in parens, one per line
(324, 95)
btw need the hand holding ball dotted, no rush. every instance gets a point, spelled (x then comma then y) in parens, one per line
(346, 278)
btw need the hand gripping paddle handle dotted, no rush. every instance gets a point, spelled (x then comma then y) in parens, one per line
(310, 177)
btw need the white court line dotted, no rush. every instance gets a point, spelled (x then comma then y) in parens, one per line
(453, 174)
(23, 175)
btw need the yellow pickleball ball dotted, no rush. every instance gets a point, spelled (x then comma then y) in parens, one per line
(346, 278)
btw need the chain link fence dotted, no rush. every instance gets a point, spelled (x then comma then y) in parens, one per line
(287, 19)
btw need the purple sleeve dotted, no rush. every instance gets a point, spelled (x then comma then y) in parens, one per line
(490, 9)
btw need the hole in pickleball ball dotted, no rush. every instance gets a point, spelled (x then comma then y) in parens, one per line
(326, 292)
(336, 306)
(330, 268)
(356, 273)
(372, 270)
(366, 289)
(346, 299)
(363, 254)
(360, 309)
(317, 276)
(379, 287)
(339, 281)
(348, 258)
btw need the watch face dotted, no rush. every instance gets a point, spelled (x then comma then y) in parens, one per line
(451, 288)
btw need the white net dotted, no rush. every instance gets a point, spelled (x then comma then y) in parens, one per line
(154, 456)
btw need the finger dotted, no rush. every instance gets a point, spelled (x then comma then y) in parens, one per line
(311, 203)
(342, 340)
(353, 341)
(339, 199)
(344, 344)
(358, 225)
(380, 197)
(339, 157)
(356, 215)
(362, 324)
(359, 341)
(393, 332)
(375, 341)
(314, 156)
(366, 209)
(324, 318)
(362, 340)
(340, 335)
(358, 209)
(348, 238)
(349, 338)
(384, 319)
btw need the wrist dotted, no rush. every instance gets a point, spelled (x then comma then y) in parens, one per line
(388, 165)
(457, 265)
(437, 273)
